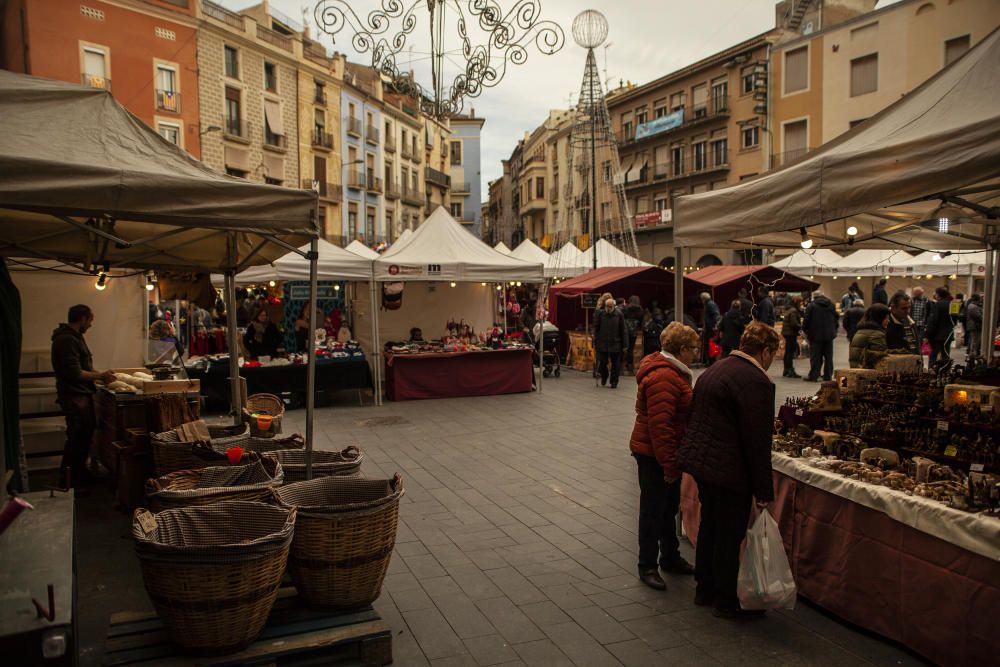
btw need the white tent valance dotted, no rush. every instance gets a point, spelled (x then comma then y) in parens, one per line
(948, 263)
(868, 263)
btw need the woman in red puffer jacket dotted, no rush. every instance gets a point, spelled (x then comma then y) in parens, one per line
(661, 407)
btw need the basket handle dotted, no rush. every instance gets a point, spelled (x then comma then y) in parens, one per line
(297, 437)
(397, 482)
(351, 451)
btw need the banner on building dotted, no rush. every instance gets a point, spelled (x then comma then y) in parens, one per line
(661, 124)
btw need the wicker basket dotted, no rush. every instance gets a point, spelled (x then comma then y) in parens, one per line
(205, 486)
(171, 454)
(199, 455)
(344, 537)
(324, 464)
(213, 572)
(264, 404)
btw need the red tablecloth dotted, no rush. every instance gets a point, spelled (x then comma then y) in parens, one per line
(937, 598)
(455, 374)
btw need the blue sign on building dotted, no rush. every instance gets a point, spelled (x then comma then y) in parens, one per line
(661, 124)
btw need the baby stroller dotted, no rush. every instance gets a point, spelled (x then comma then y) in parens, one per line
(550, 349)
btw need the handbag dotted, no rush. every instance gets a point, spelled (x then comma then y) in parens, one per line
(926, 349)
(714, 350)
(765, 580)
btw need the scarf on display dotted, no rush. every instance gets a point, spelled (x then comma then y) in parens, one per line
(258, 332)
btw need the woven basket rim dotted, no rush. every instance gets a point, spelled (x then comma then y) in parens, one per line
(344, 509)
(160, 488)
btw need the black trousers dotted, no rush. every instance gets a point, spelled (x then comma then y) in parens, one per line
(821, 358)
(658, 503)
(940, 349)
(80, 425)
(724, 518)
(791, 349)
(615, 359)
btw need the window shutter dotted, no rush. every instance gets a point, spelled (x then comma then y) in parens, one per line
(797, 69)
(864, 75)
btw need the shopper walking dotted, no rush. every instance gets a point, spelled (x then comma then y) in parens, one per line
(73, 365)
(879, 294)
(633, 325)
(765, 308)
(853, 316)
(919, 308)
(727, 449)
(820, 326)
(661, 413)
(731, 327)
(868, 345)
(609, 342)
(791, 327)
(940, 327)
(973, 324)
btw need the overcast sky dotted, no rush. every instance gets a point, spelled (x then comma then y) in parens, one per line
(647, 40)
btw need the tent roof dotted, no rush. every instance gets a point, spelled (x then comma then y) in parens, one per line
(502, 247)
(530, 252)
(957, 263)
(607, 256)
(867, 262)
(806, 261)
(884, 176)
(361, 250)
(77, 165)
(715, 276)
(441, 249)
(333, 263)
(596, 280)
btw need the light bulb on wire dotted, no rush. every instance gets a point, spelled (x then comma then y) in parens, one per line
(936, 257)
(271, 283)
(150, 281)
(102, 281)
(806, 242)
(852, 231)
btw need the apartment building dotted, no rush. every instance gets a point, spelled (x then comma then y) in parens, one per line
(403, 187)
(248, 92)
(841, 72)
(464, 162)
(437, 180)
(361, 156)
(143, 51)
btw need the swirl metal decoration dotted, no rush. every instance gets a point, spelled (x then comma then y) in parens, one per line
(385, 32)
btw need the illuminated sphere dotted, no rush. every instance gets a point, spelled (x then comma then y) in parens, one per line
(590, 29)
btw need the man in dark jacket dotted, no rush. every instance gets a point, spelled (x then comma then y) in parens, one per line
(74, 369)
(764, 311)
(791, 326)
(879, 295)
(940, 327)
(609, 341)
(746, 306)
(820, 326)
(727, 449)
(902, 333)
(973, 324)
(731, 327)
(853, 316)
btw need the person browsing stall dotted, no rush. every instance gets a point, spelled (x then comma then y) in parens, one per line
(869, 343)
(262, 337)
(901, 333)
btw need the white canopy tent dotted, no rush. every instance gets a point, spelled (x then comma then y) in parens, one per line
(502, 247)
(867, 263)
(947, 263)
(807, 262)
(332, 263)
(608, 256)
(530, 252)
(361, 250)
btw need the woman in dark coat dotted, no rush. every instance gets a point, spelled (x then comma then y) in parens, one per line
(262, 337)
(731, 327)
(940, 331)
(727, 449)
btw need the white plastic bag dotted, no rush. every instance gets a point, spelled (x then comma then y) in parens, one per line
(765, 580)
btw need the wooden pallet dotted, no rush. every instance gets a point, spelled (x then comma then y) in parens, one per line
(295, 635)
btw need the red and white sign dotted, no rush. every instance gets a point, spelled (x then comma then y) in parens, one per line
(393, 270)
(653, 218)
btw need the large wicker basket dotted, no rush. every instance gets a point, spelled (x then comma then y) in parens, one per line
(324, 464)
(171, 454)
(205, 486)
(344, 537)
(213, 572)
(264, 404)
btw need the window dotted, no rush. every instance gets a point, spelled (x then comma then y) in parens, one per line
(239, 173)
(677, 160)
(720, 152)
(660, 203)
(456, 152)
(864, 75)
(699, 156)
(699, 101)
(640, 116)
(660, 108)
(95, 71)
(232, 59)
(539, 187)
(319, 120)
(954, 48)
(319, 174)
(627, 126)
(352, 222)
(746, 81)
(796, 69)
(166, 89)
(456, 210)
(661, 161)
(414, 176)
(272, 181)
(606, 170)
(234, 117)
(170, 132)
(794, 140)
(750, 136)
(720, 96)
(606, 211)
(370, 225)
(677, 101)
(319, 94)
(270, 77)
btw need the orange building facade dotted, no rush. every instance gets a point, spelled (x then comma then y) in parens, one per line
(143, 51)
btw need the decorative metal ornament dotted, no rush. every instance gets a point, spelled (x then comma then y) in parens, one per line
(590, 29)
(510, 35)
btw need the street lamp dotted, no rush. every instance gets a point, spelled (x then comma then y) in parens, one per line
(210, 128)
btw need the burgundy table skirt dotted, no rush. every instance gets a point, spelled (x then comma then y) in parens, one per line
(455, 374)
(940, 600)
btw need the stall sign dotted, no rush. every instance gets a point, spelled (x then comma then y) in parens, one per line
(397, 270)
(322, 292)
(589, 300)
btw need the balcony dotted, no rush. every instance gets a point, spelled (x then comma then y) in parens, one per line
(373, 184)
(354, 127)
(328, 191)
(390, 144)
(356, 179)
(96, 81)
(461, 188)
(274, 38)
(661, 171)
(392, 190)
(706, 163)
(168, 100)
(276, 141)
(405, 151)
(222, 14)
(412, 196)
(435, 177)
(322, 139)
(533, 205)
(640, 177)
(372, 135)
(713, 109)
(236, 128)
(319, 97)
(553, 195)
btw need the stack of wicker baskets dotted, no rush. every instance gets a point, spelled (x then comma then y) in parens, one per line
(205, 486)
(324, 464)
(213, 572)
(268, 405)
(344, 537)
(170, 454)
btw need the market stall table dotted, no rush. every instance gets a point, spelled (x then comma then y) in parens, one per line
(906, 567)
(331, 375)
(455, 374)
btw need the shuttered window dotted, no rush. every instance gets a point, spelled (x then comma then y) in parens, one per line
(864, 75)
(954, 48)
(797, 69)
(795, 140)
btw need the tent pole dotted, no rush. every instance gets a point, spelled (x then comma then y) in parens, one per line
(376, 343)
(311, 369)
(989, 304)
(235, 390)
(539, 341)
(678, 285)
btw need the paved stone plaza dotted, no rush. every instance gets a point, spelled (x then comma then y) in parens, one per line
(516, 543)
